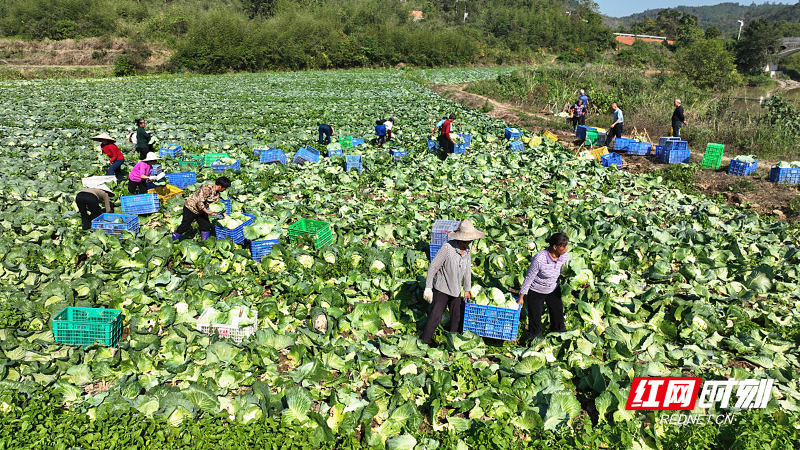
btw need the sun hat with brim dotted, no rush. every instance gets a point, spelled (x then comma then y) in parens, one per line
(466, 232)
(105, 187)
(151, 157)
(103, 137)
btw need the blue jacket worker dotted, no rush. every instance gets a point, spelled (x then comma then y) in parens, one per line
(615, 130)
(325, 133)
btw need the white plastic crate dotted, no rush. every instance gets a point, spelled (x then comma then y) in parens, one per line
(225, 331)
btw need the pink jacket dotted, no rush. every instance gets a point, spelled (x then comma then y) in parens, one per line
(141, 168)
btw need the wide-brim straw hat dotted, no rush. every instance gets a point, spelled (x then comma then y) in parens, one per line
(466, 232)
(151, 157)
(105, 187)
(103, 137)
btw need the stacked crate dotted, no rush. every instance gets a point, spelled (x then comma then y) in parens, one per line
(675, 152)
(440, 234)
(173, 150)
(353, 162)
(713, 156)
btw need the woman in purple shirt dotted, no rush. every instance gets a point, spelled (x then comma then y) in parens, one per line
(542, 281)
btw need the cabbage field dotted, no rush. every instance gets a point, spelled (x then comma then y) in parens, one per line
(659, 283)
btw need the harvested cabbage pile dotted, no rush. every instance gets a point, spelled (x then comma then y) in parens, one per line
(492, 297)
(225, 161)
(238, 317)
(262, 229)
(787, 165)
(234, 220)
(750, 159)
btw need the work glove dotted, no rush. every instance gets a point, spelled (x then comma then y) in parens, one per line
(428, 295)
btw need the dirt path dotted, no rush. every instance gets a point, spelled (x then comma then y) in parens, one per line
(754, 192)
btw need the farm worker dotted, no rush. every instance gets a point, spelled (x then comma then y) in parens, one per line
(110, 149)
(196, 208)
(615, 130)
(88, 203)
(445, 141)
(325, 133)
(137, 179)
(142, 139)
(578, 111)
(542, 279)
(584, 98)
(678, 119)
(389, 123)
(449, 273)
(438, 125)
(380, 130)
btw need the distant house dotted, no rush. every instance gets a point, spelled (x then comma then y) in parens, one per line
(417, 15)
(629, 39)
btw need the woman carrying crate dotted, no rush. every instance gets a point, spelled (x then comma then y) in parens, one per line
(109, 148)
(449, 273)
(137, 179)
(542, 279)
(196, 208)
(88, 201)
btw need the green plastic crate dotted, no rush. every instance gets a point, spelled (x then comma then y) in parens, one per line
(321, 231)
(77, 325)
(713, 161)
(714, 149)
(209, 158)
(196, 161)
(591, 136)
(346, 141)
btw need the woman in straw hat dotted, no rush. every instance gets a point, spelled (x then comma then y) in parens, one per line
(137, 179)
(542, 280)
(88, 203)
(110, 149)
(449, 273)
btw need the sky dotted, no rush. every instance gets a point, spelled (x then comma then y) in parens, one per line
(622, 8)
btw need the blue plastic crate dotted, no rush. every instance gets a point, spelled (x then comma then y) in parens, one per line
(581, 132)
(260, 249)
(357, 141)
(182, 179)
(335, 152)
(236, 234)
(353, 162)
(398, 154)
(173, 150)
(789, 175)
(492, 321)
(441, 230)
(512, 133)
(434, 249)
(659, 152)
(517, 146)
(676, 156)
(675, 145)
(663, 140)
(637, 148)
(467, 138)
(611, 159)
(622, 143)
(306, 154)
(272, 156)
(227, 204)
(742, 169)
(107, 222)
(433, 144)
(223, 167)
(459, 149)
(140, 204)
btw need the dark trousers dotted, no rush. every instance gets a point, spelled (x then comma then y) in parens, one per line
(143, 152)
(445, 144)
(89, 206)
(139, 187)
(325, 134)
(613, 132)
(440, 301)
(381, 139)
(535, 302)
(580, 120)
(676, 128)
(203, 222)
(116, 168)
